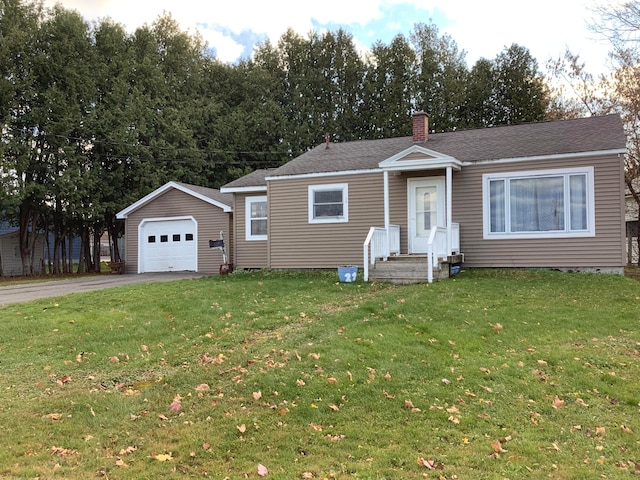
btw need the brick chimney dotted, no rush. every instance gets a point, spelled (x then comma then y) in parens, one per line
(420, 127)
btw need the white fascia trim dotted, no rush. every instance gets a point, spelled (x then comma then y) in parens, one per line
(419, 165)
(159, 191)
(435, 160)
(262, 188)
(323, 174)
(563, 156)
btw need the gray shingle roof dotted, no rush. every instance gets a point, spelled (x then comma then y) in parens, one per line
(212, 193)
(514, 141)
(253, 179)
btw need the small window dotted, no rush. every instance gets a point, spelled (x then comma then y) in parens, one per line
(151, 239)
(328, 203)
(164, 238)
(256, 218)
(548, 203)
(176, 237)
(188, 237)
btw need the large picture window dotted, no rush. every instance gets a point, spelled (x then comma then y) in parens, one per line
(549, 203)
(328, 203)
(256, 218)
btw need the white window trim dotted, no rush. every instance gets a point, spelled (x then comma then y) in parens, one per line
(345, 202)
(247, 216)
(565, 172)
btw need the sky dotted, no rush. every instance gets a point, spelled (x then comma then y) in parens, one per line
(480, 28)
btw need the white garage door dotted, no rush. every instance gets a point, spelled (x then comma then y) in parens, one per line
(168, 245)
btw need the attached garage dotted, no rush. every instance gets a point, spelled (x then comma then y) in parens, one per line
(169, 229)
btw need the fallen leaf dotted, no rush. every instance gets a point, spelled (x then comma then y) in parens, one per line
(120, 462)
(430, 464)
(306, 475)
(497, 327)
(257, 395)
(262, 470)
(334, 407)
(53, 416)
(626, 429)
(242, 428)
(557, 403)
(203, 387)
(331, 380)
(445, 381)
(114, 359)
(581, 402)
(497, 447)
(163, 457)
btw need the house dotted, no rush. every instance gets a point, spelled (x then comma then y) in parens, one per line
(170, 229)
(10, 258)
(538, 195)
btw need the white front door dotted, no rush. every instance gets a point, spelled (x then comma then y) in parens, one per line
(426, 210)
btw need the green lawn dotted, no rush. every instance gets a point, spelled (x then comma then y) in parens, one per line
(490, 375)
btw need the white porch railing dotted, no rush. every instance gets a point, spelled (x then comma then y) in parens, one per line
(379, 244)
(437, 246)
(455, 238)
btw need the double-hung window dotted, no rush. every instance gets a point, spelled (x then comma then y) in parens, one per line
(328, 203)
(539, 204)
(256, 218)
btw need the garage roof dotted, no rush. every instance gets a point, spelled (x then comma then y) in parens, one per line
(223, 201)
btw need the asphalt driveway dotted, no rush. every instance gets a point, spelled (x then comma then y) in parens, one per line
(27, 292)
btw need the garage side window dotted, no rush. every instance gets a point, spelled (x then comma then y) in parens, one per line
(328, 203)
(256, 218)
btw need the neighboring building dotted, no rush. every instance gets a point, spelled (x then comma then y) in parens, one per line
(170, 229)
(632, 216)
(10, 259)
(540, 195)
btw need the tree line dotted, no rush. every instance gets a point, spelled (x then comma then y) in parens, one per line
(94, 117)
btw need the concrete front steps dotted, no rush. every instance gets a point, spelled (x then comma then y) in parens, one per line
(405, 269)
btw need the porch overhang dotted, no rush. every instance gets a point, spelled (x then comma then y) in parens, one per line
(416, 158)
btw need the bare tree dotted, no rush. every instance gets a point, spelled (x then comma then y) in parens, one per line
(620, 24)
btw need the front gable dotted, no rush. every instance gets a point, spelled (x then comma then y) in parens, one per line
(164, 189)
(418, 157)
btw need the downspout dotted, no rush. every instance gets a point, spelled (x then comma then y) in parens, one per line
(385, 176)
(449, 207)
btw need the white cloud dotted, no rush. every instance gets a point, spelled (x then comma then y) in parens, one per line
(482, 29)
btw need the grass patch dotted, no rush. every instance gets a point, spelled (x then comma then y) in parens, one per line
(492, 375)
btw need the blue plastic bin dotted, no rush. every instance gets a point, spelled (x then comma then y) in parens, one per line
(348, 273)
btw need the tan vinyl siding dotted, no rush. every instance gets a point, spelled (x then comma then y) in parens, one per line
(211, 221)
(605, 249)
(294, 243)
(252, 253)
